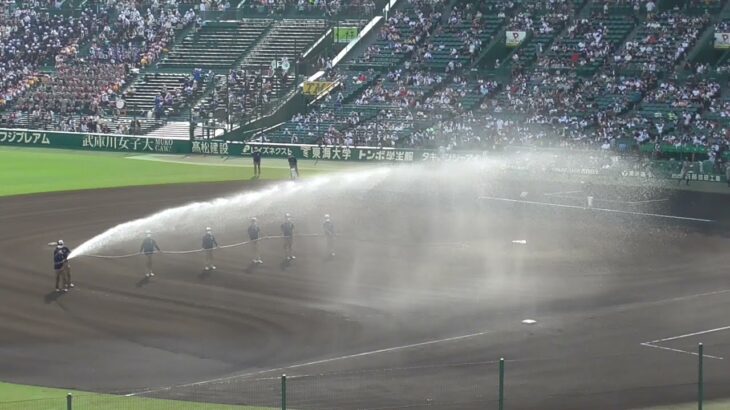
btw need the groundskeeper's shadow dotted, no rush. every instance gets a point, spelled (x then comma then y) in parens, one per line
(52, 296)
(143, 282)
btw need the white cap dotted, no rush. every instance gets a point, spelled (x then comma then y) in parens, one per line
(208, 228)
(59, 243)
(288, 215)
(253, 219)
(148, 232)
(327, 216)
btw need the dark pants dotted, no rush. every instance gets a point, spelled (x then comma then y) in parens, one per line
(257, 168)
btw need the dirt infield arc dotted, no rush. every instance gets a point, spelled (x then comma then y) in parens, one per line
(416, 320)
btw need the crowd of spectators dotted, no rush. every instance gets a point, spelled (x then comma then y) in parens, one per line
(139, 37)
(404, 31)
(30, 39)
(661, 42)
(585, 42)
(400, 87)
(541, 17)
(75, 89)
(691, 93)
(449, 100)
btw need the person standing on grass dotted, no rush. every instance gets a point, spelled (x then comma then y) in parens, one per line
(62, 267)
(253, 234)
(293, 167)
(209, 243)
(256, 163)
(329, 234)
(149, 246)
(287, 229)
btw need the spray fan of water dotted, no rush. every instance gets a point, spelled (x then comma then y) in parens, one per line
(324, 194)
(232, 210)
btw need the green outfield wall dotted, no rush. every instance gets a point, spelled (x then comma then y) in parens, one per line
(656, 169)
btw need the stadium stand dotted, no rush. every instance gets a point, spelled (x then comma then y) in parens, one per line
(542, 21)
(606, 74)
(217, 44)
(32, 39)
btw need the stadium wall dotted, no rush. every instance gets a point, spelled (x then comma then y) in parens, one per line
(656, 169)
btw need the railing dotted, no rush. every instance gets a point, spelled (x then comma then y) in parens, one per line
(477, 384)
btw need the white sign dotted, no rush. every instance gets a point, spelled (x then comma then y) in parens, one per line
(722, 40)
(515, 38)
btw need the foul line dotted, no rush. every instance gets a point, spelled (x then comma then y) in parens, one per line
(647, 344)
(561, 193)
(654, 343)
(312, 363)
(684, 218)
(666, 339)
(616, 201)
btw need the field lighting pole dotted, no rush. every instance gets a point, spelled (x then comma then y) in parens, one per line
(501, 384)
(700, 381)
(283, 392)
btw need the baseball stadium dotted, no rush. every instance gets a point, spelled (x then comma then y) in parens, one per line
(364, 204)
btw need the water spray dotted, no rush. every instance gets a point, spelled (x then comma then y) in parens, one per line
(188, 218)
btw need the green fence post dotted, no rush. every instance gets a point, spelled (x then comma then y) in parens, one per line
(700, 384)
(283, 392)
(501, 383)
(69, 402)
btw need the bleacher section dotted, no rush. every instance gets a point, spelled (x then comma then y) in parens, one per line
(398, 37)
(217, 45)
(461, 41)
(590, 73)
(587, 43)
(286, 39)
(542, 22)
(658, 44)
(242, 94)
(140, 96)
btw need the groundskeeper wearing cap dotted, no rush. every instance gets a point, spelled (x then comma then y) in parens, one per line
(62, 267)
(149, 246)
(254, 233)
(329, 234)
(287, 229)
(209, 243)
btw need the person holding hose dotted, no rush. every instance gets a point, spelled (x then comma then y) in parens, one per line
(148, 247)
(209, 243)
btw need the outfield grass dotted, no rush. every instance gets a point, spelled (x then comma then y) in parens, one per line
(33, 170)
(16, 396)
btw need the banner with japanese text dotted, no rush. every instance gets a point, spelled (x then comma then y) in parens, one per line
(92, 142)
